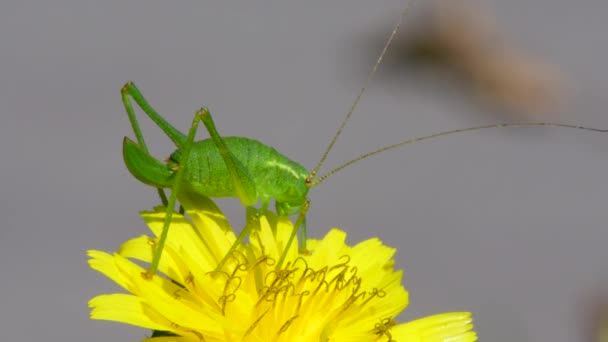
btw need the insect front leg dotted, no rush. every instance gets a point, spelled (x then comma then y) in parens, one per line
(301, 226)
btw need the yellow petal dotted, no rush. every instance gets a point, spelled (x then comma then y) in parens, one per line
(182, 238)
(127, 309)
(178, 305)
(104, 263)
(172, 339)
(334, 292)
(452, 327)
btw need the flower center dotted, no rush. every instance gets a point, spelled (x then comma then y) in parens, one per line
(298, 299)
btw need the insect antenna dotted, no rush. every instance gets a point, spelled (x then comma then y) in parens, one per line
(370, 76)
(319, 180)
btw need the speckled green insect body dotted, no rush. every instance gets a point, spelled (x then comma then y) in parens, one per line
(216, 167)
(274, 175)
(205, 173)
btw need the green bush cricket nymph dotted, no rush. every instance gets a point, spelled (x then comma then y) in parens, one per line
(240, 167)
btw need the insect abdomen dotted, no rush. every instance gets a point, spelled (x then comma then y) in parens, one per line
(275, 175)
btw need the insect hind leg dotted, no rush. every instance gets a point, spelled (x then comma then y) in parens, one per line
(129, 90)
(241, 179)
(244, 184)
(187, 147)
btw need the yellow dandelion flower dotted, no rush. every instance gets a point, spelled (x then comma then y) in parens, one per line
(334, 293)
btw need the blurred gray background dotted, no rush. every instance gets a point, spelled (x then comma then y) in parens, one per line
(509, 224)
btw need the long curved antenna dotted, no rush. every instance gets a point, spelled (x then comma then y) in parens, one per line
(426, 137)
(370, 76)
